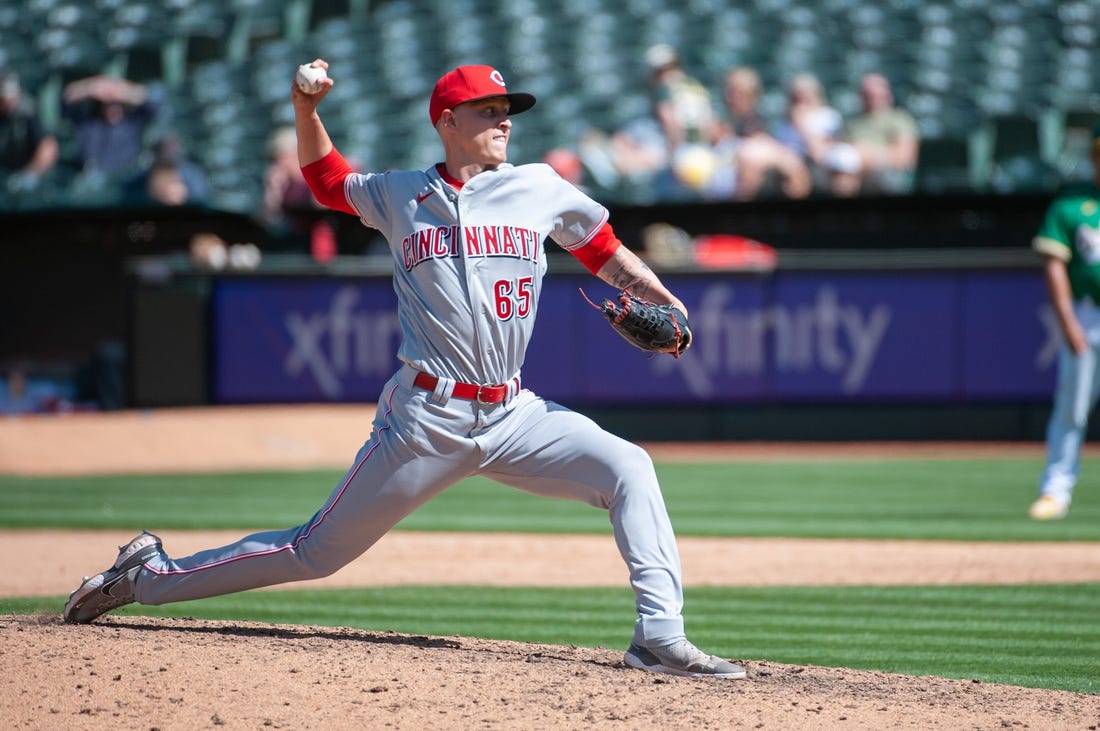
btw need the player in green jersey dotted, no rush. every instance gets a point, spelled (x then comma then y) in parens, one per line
(1069, 240)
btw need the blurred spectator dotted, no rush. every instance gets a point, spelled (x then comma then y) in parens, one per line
(752, 162)
(289, 205)
(168, 149)
(110, 117)
(171, 179)
(27, 389)
(286, 194)
(627, 161)
(681, 104)
(567, 164)
(164, 185)
(741, 91)
(664, 155)
(685, 111)
(27, 152)
(811, 126)
(885, 140)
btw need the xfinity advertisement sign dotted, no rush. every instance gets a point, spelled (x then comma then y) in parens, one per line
(797, 337)
(303, 340)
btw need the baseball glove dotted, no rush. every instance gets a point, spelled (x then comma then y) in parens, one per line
(645, 325)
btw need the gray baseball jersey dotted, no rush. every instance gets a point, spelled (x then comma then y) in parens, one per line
(470, 314)
(468, 269)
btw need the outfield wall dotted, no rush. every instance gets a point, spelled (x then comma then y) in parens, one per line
(787, 337)
(884, 350)
(889, 318)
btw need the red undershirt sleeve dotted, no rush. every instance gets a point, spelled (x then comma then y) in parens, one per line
(325, 178)
(596, 252)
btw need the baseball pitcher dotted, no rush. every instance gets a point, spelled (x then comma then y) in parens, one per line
(467, 239)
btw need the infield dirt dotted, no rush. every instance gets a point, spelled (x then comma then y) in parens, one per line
(137, 672)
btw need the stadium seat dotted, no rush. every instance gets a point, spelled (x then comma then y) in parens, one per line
(1075, 136)
(274, 62)
(253, 22)
(965, 68)
(1017, 162)
(944, 165)
(198, 32)
(321, 11)
(1015, 135)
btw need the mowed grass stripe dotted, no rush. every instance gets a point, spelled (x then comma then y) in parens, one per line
(970, 500)
(901, 499)
(1042, 636)
(1022, 635)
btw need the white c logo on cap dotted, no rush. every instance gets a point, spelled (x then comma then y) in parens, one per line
(496, 77)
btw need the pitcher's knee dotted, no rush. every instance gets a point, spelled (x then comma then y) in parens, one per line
(315, 562)
(636, 472)
(632, 461)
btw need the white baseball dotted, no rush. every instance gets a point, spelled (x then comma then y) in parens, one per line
(309, 78)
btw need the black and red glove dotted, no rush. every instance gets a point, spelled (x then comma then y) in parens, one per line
(651, 327)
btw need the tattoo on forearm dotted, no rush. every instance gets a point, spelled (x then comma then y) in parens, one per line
(635, 278)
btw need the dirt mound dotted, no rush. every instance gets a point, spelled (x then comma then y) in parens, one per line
(139, 672)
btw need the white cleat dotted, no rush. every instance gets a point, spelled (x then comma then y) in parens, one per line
(1048, 507)
(114, 587)
(682, 658)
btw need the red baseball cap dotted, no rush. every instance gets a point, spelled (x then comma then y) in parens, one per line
(470, 84)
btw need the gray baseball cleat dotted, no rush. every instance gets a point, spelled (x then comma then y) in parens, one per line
(114, 587)
(682, 658)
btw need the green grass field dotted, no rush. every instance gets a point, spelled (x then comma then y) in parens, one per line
(1044, 636)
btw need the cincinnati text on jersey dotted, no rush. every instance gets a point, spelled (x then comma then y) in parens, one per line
(444, 242)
